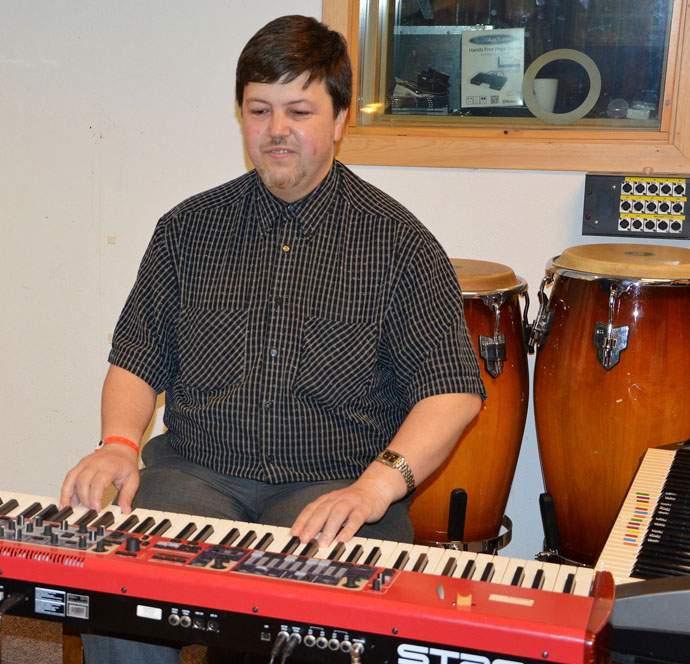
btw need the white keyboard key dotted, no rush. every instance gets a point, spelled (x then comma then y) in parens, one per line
(565, 579)
(584, 578)
(466, 565)
(532, 567)
(447, 563)
(551, 571)
(514, 573)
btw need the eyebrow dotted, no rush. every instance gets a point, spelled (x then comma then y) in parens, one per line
(299, 100)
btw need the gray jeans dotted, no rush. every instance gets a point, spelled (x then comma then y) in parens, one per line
(171, 483)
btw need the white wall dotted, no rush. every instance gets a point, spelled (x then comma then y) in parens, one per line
(110, 114)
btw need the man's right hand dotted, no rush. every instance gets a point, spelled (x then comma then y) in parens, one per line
(112, 464)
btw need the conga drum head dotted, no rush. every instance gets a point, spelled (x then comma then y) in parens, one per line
(610, 379)
(627, 261)
(484, 459)
(482, 277)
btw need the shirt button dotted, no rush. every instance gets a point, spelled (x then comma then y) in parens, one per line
(278, 299)
(286, 248)
(270, 458)
(274, 352)
(291, 208)
(268, 404)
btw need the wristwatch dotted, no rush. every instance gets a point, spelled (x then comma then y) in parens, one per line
(397, 461)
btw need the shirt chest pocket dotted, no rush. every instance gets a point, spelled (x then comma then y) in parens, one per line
(212, 347)
(336, 361)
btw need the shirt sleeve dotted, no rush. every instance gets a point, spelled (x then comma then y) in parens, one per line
(427, 335)
(144, 341)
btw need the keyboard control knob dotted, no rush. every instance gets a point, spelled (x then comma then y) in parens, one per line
(132, 544)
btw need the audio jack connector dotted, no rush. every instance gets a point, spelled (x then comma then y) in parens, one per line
(356, 653)
(280, 640)
(293, 640)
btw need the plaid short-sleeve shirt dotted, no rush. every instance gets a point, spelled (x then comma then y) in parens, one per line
(292, 339)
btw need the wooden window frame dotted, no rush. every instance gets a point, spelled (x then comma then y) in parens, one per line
(507, 146)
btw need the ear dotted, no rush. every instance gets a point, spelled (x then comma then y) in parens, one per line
(340, 120)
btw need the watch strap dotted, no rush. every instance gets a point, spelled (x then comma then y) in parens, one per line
(397, 461)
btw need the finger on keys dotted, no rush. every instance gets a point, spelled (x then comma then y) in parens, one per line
(68, 493)
(127, 491)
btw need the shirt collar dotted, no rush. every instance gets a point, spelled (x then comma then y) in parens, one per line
(309, 211)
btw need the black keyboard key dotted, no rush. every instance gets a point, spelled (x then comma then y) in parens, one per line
(7, 507)
(247, 540)
(163, 527)
(538, 580)
(187, 531)
(230, 537)
(337, 551)
(310, 548)
(569, 585)
(291, 545)
(31, 510)
(421, 563)
(47, 512)
(449, 567)
(355, 554)
(106, 520)
(402, 560)
(129, 523)
(204, 533)
(62, 515)
(488, 572)
(518, 576)
(86, 518)
(145, 525)
(469, 570)
(373, 556)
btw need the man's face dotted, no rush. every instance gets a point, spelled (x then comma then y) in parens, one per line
(290, 134)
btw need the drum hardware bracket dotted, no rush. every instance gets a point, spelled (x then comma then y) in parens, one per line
(493, 352)
(610, 341)
(542, 323)
(483, 546)
(555, 557)
(493, 349)
(552, 540)
(526, 327)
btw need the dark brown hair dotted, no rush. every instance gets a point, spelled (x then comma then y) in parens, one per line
(289, 46)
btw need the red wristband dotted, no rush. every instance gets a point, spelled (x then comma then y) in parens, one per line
(120, 439)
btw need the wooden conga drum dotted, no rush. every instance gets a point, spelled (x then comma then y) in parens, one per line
(611, 378)
(484, 459)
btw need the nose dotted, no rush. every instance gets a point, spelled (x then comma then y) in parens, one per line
(279, 125)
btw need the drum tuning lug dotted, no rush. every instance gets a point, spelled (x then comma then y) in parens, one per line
(542, 323)
(610, 342)
(493, 349)
(493, 352)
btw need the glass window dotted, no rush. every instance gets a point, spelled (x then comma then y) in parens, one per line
(541, 63)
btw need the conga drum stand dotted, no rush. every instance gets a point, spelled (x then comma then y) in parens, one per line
(457, 513)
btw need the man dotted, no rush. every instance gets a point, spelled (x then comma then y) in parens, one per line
(299, 321)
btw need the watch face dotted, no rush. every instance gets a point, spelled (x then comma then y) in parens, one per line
(389, 457)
